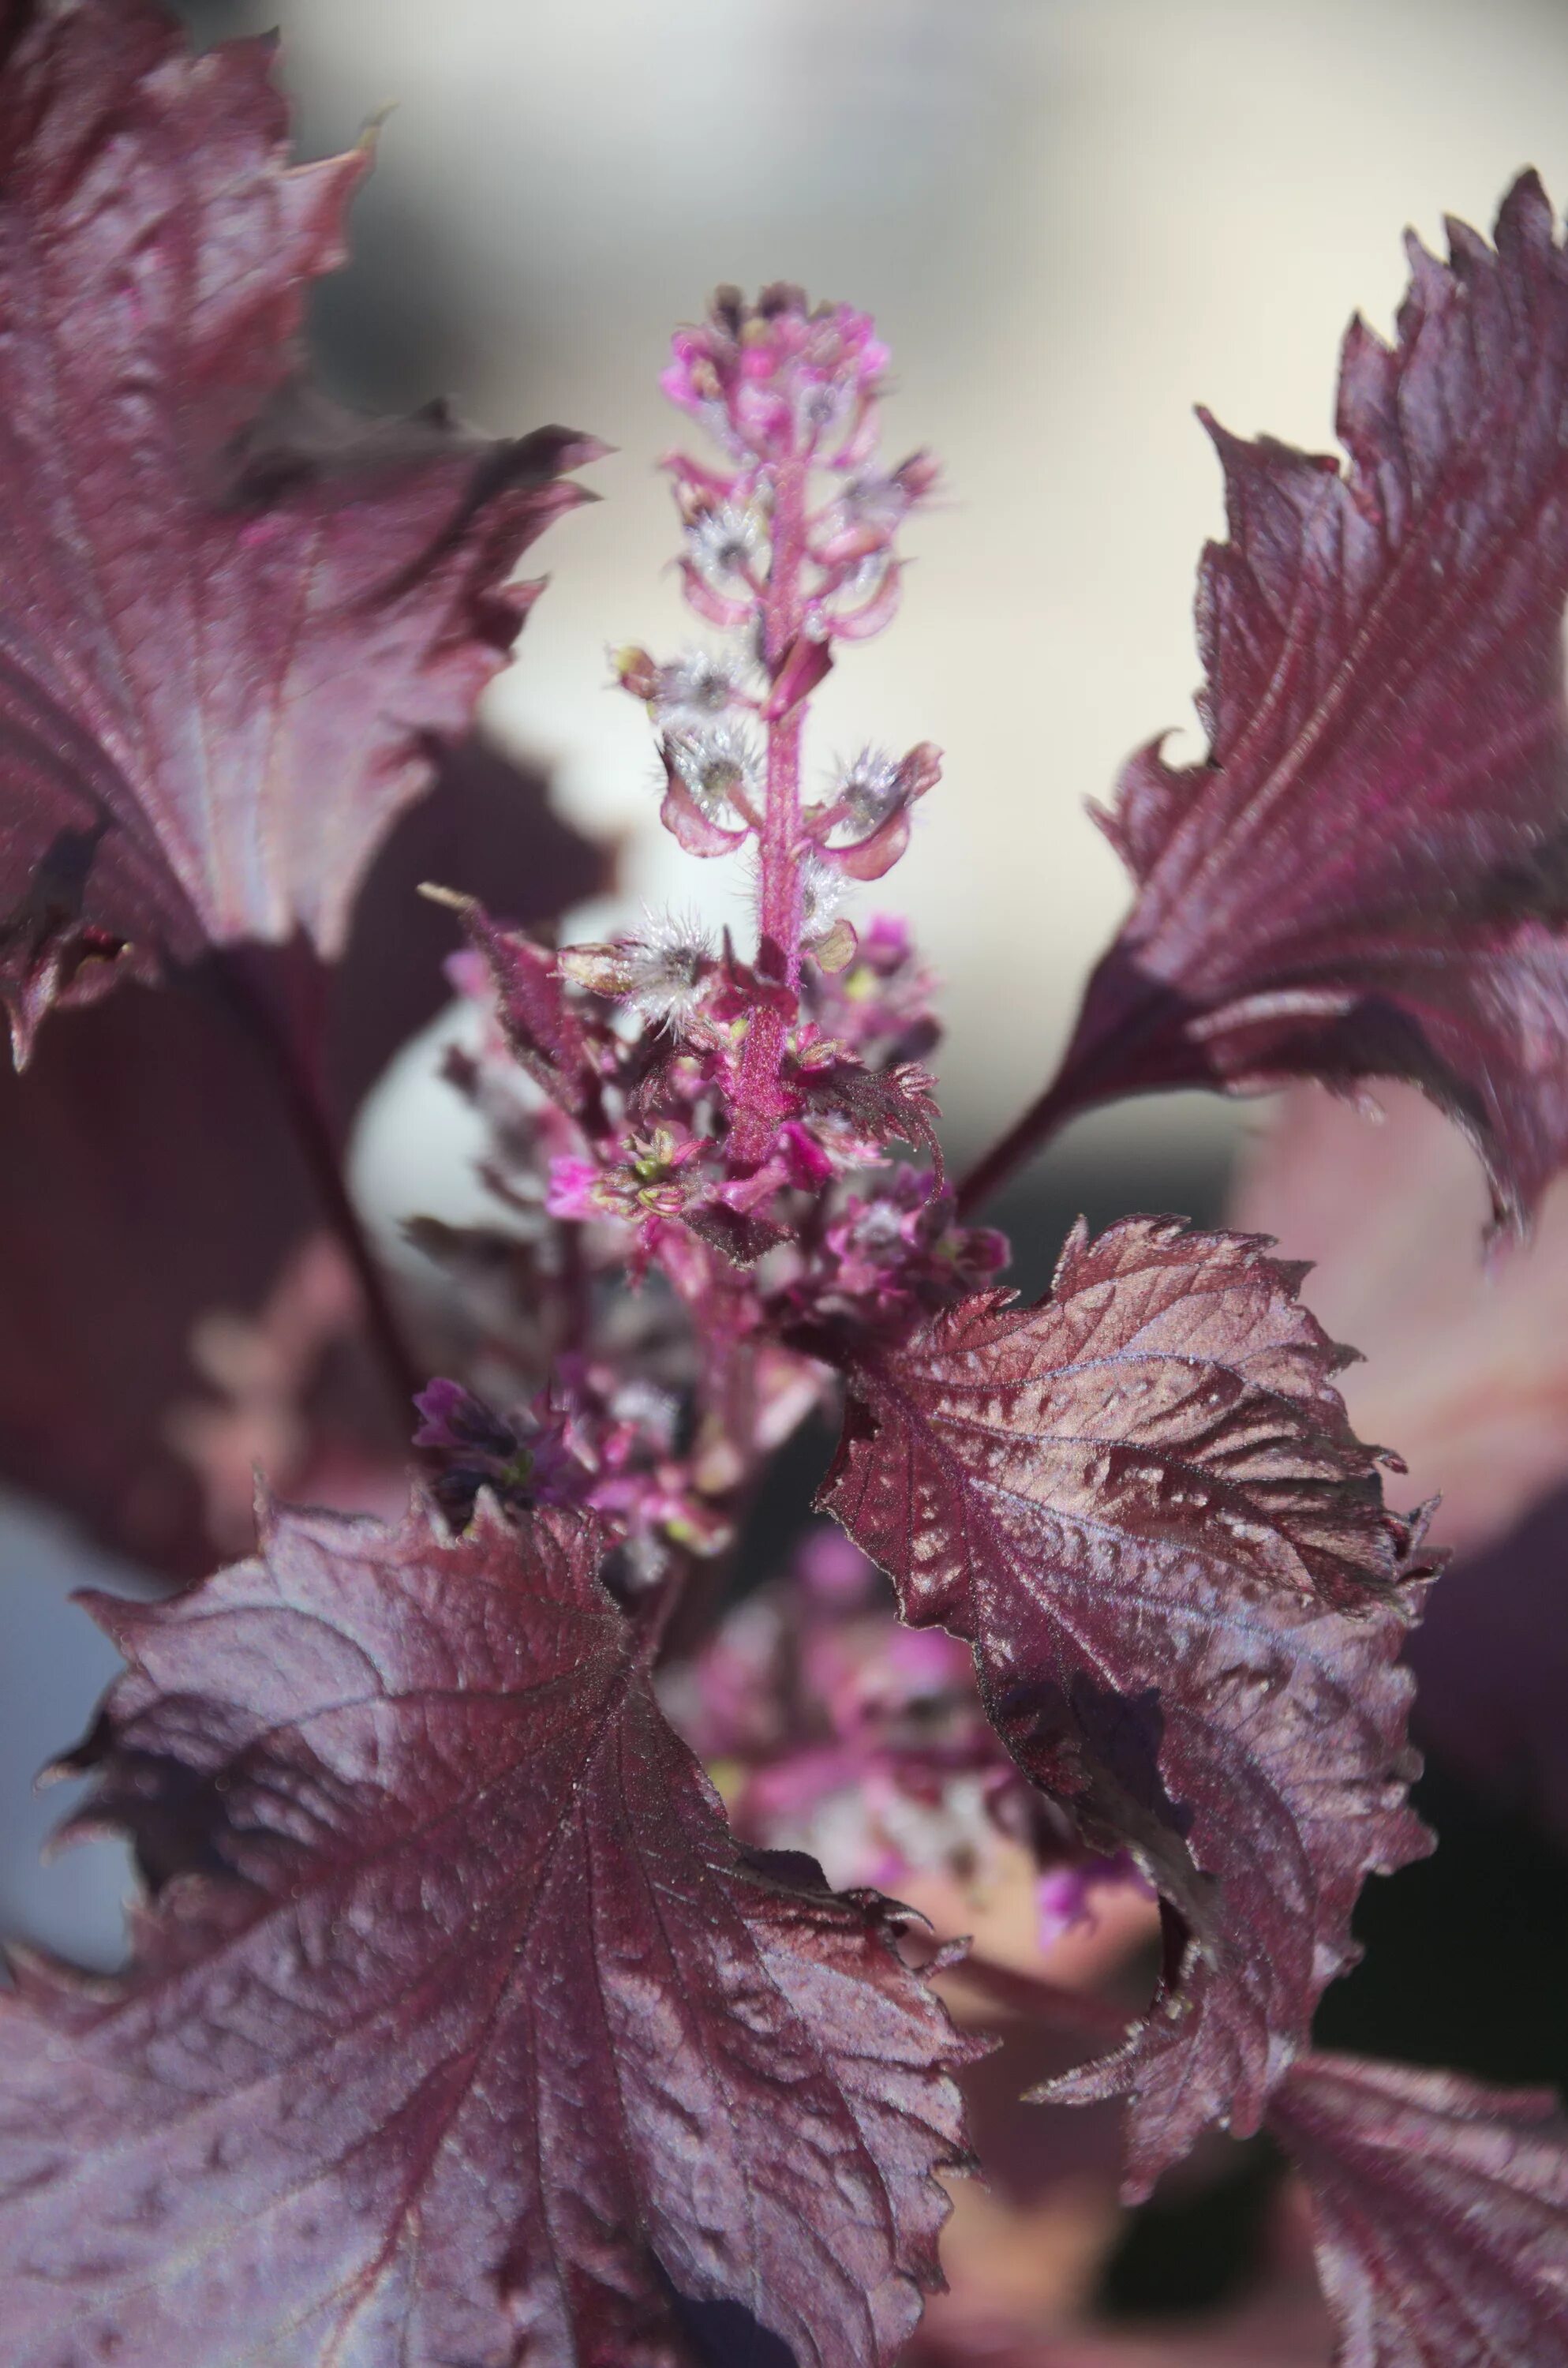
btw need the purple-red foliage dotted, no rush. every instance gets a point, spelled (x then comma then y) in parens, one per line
(1141, 1503)
(467, 2020)
(1439, 2207)
(1365, 875)
(235, 616)
(149, 1183)
(478, 2036)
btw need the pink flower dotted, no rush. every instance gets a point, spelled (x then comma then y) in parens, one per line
(773, 377)
(573, 1183)
(843, 1733)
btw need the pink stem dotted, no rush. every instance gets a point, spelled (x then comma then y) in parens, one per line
(762, 1105)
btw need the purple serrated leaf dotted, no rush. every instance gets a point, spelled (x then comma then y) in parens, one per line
(488, 2042)
(1368, 873)
(235, 616)
(1143, 1504)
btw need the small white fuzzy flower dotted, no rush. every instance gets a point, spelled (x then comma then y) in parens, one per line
(868, 789)
(717, 766)
(873, 500)
(823, 890)
(665, 968)
(823, 407)
(697, 687)
(724, 543)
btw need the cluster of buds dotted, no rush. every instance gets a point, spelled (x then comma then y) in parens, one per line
(830, 1727)
(654, 1164)
(878, 1004)
(592, 1440)
(890, 1253)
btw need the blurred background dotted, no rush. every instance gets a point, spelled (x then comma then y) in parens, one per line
(1072, 219)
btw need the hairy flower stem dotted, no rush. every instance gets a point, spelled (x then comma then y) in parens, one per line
(780, 898)
(316, 1133)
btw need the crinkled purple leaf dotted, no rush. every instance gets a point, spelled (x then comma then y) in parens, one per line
(149, 1180)
(1440, 2208)
(741, 1237)
(1141, 1503)
(542, 1028)
(486, 2042)
(897, 1102)
(234, 617)
(1368, 874)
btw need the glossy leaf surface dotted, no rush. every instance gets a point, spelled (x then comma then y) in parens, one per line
(463, 2030)
(1143, 1504)
(1366, 874)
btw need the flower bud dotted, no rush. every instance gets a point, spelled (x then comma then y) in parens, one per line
(601, 970)
(804, 667)
(836, 949)
(917, 476)
(635, 672)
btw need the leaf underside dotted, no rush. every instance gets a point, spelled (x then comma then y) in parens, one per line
(1440, 2212)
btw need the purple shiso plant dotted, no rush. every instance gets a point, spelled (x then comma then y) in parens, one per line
(520, 1980)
